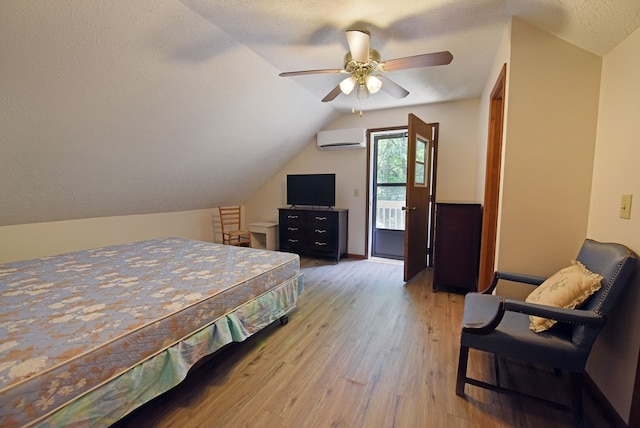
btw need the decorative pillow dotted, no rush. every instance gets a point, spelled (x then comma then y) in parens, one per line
(567, 288)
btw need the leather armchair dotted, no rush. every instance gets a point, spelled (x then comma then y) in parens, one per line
(500, 325)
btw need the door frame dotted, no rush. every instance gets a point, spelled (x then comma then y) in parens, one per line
(492, 181)
(367, 214)
(434, 174)
(374, 233)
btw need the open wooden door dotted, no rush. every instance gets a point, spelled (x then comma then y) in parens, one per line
(420, 145)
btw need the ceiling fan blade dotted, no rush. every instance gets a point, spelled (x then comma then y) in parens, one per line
(303, 72)
(358, 41)
(425, 60)
(332, 95)
(392, 88)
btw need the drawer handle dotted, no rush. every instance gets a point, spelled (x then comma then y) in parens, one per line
(292, 216)
(321, 231)
(292, 228)
(321, 218)
(293, 240)
(321, 243)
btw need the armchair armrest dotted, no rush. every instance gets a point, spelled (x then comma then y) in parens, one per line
(482, 313)
(571, 316)
(516, 277)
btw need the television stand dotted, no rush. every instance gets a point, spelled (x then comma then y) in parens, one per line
(295, 207)
(315, 232)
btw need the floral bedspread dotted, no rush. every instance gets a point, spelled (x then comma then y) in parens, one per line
(71, 322)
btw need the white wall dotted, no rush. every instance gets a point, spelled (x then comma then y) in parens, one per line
(457, 162)
(614, 358)
(27, 241)
(553, 89)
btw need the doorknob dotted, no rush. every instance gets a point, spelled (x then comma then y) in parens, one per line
(409, 208)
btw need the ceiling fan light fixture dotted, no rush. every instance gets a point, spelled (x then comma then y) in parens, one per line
(373, 84)
(362, 92)
(347, 85)
(361, 62)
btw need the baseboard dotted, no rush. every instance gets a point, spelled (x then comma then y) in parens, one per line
(354, 256)
(606, 408)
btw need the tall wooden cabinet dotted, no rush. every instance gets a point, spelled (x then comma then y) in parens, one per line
(457, 245)
(314, 232)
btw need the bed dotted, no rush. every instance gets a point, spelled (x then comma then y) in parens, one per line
(87, 337)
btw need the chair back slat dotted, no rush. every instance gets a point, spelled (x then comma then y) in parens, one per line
(230, 218)
(230, 224)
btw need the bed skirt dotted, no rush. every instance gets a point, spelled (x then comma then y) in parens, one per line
(106, 404)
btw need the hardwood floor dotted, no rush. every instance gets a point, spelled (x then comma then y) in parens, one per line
(363, 349)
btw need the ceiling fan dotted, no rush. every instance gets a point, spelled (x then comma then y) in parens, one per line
(365, 68)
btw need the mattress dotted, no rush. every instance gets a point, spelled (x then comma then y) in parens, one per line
(75, 324)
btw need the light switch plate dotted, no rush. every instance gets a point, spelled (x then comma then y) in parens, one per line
(625, 206)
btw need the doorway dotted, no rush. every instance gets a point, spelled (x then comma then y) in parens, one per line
(387, 187)
(389, 191)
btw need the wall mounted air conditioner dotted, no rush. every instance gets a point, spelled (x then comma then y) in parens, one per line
(352, 138)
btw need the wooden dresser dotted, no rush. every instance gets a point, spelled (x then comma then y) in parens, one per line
(457, 245)
(314, 232)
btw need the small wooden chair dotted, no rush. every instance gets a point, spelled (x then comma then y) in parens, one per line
(232, 234)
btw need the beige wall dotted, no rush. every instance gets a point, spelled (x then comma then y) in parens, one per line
(570, 151)
(456, 181)
(553, 90)
(614, 358)
(558, 185)
(502, 57)
(28, 241)
(457, 162)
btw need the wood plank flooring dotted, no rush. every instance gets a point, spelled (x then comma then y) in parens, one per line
(363, 349)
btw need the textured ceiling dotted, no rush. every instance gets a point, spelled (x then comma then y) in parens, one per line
(306, 34)
(115, 107)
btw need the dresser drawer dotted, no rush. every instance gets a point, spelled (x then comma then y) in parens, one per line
(324, 220)
(323, 245)
(292, 219)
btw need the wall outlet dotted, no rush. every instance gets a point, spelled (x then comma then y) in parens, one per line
(625, 206)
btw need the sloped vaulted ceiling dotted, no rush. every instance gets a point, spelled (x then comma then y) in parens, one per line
(111, 108)
(128, 107)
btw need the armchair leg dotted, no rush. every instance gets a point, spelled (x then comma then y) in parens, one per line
(462, 370)
(576, 398)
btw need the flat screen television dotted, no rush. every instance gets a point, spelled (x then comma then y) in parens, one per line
(311, 189)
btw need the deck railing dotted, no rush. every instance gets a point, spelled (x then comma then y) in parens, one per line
(389, 215)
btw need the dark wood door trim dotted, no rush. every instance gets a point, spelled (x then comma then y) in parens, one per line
(492, 181)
